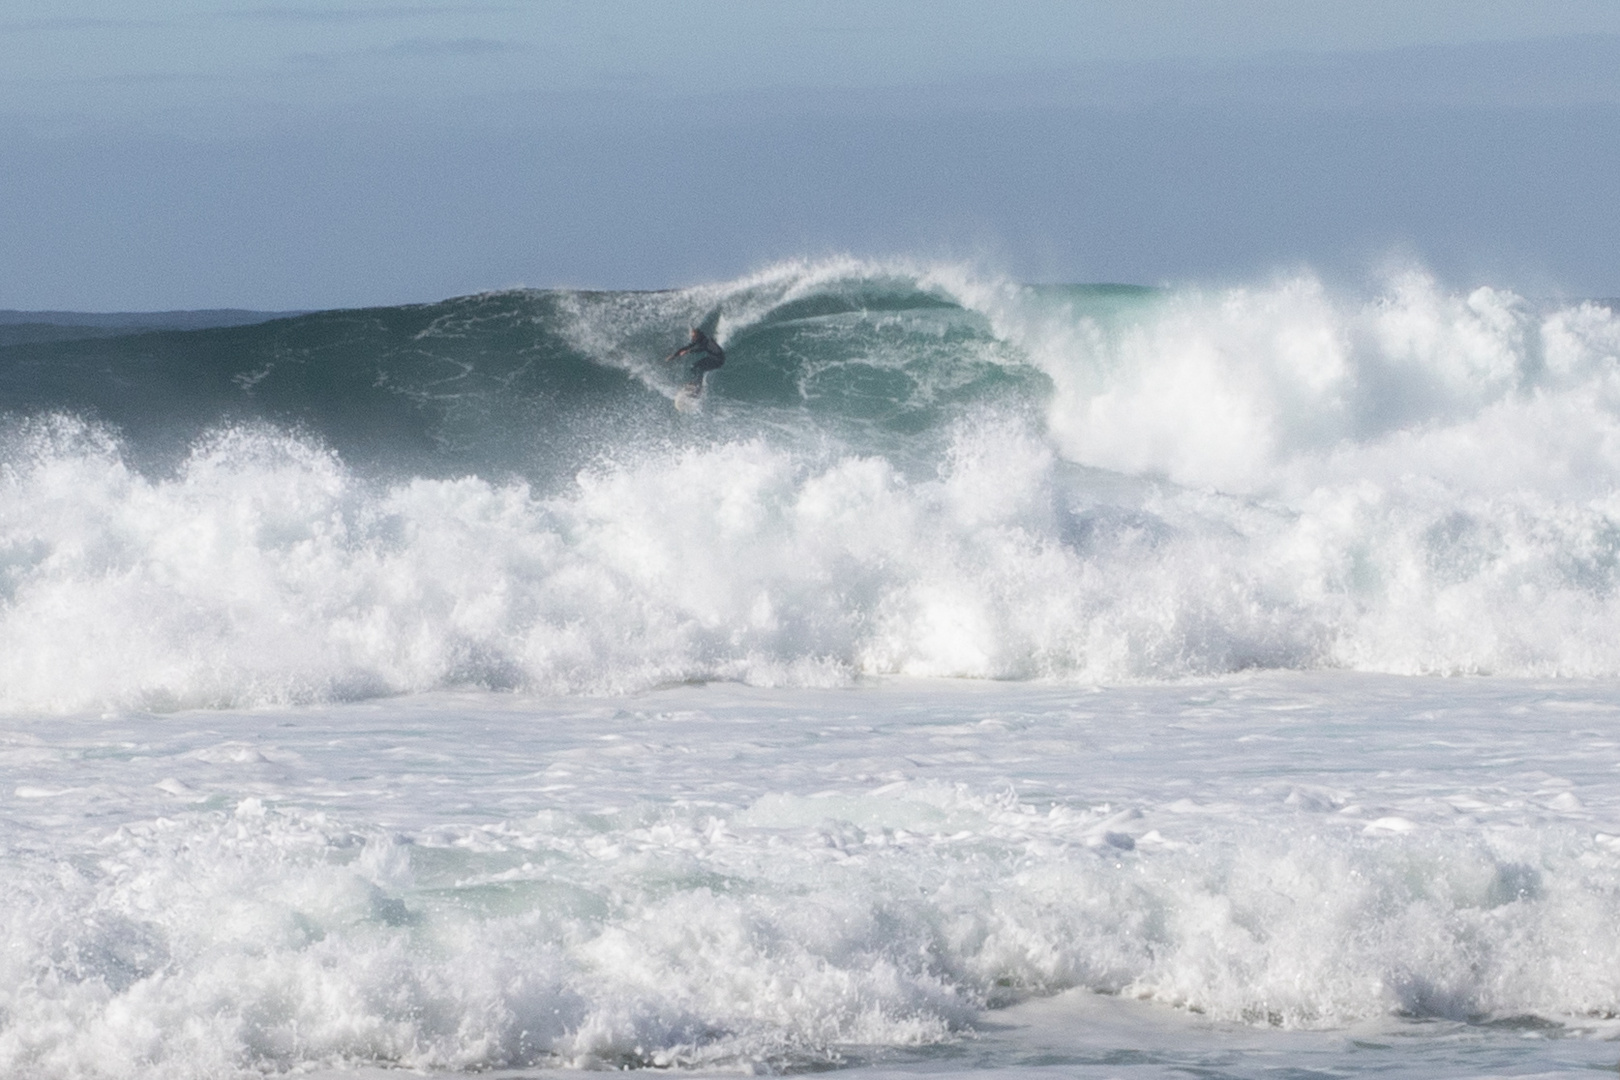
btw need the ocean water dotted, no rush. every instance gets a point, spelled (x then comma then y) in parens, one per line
(1051, 681)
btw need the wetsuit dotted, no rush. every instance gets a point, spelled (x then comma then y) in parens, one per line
(710, 356)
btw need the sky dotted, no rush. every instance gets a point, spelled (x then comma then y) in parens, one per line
(324, 153)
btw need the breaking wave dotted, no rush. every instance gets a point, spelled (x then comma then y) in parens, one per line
(900, 469)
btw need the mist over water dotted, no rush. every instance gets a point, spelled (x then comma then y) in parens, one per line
(914, 470)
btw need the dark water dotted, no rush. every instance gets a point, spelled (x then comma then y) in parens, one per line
(530, 381)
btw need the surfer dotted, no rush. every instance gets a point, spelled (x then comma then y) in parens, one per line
(709, 356)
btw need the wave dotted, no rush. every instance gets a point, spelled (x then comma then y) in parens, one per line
(901, 469)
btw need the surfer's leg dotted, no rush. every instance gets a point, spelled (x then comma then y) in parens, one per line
(700, 368)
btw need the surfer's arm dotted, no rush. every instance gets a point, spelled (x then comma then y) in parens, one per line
(678, 353)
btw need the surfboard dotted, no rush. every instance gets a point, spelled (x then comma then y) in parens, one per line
(689, 398)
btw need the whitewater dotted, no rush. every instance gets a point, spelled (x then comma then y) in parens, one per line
(1044, 680)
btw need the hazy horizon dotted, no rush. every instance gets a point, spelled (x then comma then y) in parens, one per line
(341, 154)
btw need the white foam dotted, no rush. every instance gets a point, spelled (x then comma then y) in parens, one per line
(1277, 389)
(732, 878)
